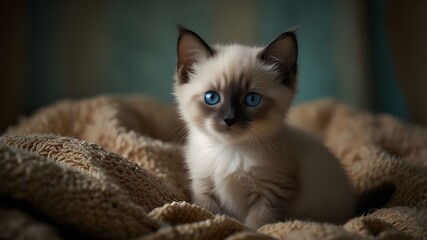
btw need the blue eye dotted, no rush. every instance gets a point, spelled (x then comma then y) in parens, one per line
(252, 99)
(211, 98)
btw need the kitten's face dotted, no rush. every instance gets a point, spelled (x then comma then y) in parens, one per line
(235, 93)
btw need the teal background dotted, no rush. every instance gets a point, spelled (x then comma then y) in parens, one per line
(81, 49)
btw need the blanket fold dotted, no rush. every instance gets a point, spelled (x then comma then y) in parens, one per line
(111, 167)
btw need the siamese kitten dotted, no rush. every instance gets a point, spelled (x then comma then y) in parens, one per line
(243, 159)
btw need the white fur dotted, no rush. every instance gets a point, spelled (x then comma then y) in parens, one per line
(237, 175)
(324, 193)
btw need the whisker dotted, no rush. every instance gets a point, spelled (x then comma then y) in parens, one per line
(272, 148)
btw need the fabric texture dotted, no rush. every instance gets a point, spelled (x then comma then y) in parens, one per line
(111, 167)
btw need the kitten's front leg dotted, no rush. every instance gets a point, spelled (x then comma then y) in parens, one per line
(259, 213)
(202, 194)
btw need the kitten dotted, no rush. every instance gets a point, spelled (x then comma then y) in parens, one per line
(243, 159)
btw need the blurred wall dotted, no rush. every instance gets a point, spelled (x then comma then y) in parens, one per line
(75, 49)
(408, 31)
(13, 73)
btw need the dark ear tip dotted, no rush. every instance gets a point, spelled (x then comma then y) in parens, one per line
(294, 29)
(181, 28)
(291, 34)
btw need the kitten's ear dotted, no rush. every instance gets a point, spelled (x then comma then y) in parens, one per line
(190, 49)
(283, 53)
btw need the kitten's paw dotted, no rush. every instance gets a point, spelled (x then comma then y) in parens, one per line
(258, 216)
(208, 203)
(214, 208)
(252, 223)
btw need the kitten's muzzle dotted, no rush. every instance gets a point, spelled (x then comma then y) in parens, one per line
(229, 116)
(230, 120)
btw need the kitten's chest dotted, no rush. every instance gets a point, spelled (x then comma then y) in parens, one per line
(220, 160)
(234, 182)
(228, 168)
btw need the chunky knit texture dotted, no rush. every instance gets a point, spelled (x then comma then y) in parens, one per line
(111, 167)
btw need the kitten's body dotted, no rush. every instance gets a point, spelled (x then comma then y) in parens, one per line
(299, 177)
(255, 167)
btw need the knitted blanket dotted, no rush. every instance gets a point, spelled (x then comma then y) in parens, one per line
(111, 167)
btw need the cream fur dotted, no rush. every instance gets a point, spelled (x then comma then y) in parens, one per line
(269, 173)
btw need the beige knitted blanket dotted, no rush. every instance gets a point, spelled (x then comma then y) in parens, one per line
(112, 168)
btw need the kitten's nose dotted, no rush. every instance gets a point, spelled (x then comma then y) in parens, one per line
(229, 121)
